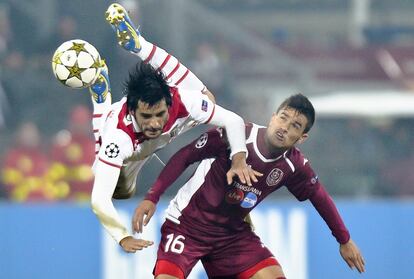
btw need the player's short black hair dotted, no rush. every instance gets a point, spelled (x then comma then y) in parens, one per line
(147, 85)
(301, 104)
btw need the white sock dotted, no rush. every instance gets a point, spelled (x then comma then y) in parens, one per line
(99, 113)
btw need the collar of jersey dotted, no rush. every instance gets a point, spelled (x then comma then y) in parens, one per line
(253, 138)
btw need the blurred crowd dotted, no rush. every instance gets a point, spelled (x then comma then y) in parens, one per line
(46, 142)
(364, 157)
(36, 169)
(47, 146)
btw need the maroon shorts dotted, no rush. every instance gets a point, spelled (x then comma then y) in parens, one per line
(222, 254)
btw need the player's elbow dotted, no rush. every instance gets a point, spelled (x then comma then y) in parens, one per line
(210, 95)
(97, 205)
(233, 119)
(238, 119)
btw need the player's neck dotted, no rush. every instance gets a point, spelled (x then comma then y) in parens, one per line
(266, 148)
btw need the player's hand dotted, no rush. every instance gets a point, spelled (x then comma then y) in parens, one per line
(131, 245)
(352, 256)
(239, 167)
(145, 208)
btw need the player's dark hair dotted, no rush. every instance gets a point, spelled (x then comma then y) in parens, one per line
(147, 85)
(301, 104)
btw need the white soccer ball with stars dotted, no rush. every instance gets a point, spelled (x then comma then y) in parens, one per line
(76, 63)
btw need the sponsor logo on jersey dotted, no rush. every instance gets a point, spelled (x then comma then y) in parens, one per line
(204, 105)
(247, 188)
(112, 150)
(202, 141)
(234, 196)
(249, 200)
(274, 177)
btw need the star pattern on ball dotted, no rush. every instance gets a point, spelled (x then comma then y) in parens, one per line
(97, 64)
(112, 150)
(56, 58)
(75, 71)
(78, 47)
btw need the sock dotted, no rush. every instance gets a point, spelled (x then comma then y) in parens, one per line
(99, 113)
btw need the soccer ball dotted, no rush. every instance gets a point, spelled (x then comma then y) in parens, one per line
(76, 63)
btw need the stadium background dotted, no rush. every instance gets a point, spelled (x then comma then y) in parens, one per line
(353, 58)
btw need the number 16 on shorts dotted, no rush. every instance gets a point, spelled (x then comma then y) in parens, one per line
(174, 244)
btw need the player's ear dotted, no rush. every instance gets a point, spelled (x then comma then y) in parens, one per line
(303, 138)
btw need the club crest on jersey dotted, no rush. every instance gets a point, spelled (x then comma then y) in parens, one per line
(249, 200)
(274, 177)
(112, 150)
(202, 141)
(234, 196)
(204, 105)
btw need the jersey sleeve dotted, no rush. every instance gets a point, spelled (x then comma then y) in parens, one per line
(106, 178)
(200, 107)
(306, 185)
(115, 148)
(203, 110)
(208, 145)
(303, 182)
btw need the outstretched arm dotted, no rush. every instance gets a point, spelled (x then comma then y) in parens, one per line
(306, 185)
(323, 203)
(106, 178)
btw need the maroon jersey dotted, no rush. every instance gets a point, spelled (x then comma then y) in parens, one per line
(208, 202)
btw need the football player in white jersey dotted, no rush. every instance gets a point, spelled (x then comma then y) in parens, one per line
(162, 100)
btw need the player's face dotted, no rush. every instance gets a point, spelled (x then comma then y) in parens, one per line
(286, 128)
(151, 119)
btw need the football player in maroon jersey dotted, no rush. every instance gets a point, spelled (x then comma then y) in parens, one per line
(205, 220)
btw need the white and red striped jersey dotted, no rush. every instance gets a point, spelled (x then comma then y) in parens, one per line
(122, 141)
